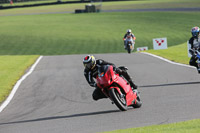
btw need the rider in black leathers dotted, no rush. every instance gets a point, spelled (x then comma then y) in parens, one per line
(91, 71)
(195, 45)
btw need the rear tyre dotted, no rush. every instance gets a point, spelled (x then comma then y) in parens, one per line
(138, 103)
(120, 101)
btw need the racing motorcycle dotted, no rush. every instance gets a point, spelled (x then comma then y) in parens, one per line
(198, 60)
(196, 53)
(130, 46)
(117, 88)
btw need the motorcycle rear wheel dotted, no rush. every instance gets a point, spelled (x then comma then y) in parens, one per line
(120, 101)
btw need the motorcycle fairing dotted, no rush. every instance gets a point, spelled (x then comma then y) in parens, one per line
(130, 96)
(107, 77)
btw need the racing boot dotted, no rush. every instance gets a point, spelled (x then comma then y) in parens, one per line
(133, 86)
(129, 79)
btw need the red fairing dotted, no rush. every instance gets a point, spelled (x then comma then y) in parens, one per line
(110, 79)
(106, 79)
(130, 96)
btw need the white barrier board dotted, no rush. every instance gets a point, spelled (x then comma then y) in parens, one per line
(159, 43)
(142, 48)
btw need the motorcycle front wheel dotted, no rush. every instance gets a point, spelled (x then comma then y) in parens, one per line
(119, 100)
(129, 49)
(138, 103)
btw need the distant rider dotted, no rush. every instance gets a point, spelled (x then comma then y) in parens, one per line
(129, 36)
(195, 45)
(91, 70)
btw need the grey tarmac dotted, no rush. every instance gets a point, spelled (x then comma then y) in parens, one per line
(56, 98)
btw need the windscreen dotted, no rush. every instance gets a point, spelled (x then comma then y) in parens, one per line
(102, 70)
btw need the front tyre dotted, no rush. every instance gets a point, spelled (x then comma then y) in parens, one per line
(119, 100)
(129, 49)
(138, 103)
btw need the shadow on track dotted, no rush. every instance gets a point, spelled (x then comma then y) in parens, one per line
(61, 117)
(170, 84)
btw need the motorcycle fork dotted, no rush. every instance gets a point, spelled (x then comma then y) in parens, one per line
(119, 91)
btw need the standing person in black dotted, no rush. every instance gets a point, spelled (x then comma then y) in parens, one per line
(91, 71)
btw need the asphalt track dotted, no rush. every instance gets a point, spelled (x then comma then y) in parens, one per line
(56, 98)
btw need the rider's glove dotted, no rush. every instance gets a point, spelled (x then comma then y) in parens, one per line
(123, 68)
(191, 51)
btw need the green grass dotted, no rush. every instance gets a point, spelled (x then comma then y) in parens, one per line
(58, 34)
(142, 4)
(32, 2)
(134, 4)
(192, 126)
(176, 53)
(11, 69)
(138, 4)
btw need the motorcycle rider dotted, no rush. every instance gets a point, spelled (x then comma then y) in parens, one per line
(129, 36)
(91, 71)
(195, 45)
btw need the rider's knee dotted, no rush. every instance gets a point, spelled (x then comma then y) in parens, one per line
(95, 97)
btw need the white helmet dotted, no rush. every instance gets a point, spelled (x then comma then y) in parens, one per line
(129, 31)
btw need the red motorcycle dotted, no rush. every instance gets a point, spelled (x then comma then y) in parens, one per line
(117, 88)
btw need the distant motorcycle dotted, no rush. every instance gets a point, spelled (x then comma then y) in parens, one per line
(196, 53)
(198, 60)
(129, 45)
(117, 88)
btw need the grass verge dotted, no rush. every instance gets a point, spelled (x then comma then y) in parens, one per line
(191, 126)
(59, 34)
(11, 69)
(33, 2)
(176, 53)
(132, 4)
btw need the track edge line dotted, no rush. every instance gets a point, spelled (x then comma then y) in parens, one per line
(11, 95)
(164, 59)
